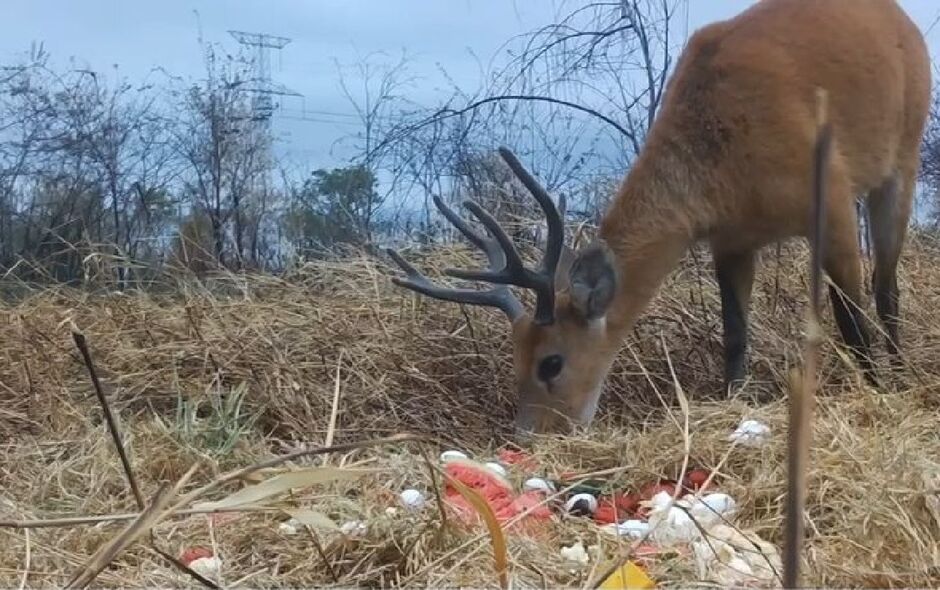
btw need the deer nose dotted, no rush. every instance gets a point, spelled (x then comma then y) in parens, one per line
(523, 436)
(524, 427)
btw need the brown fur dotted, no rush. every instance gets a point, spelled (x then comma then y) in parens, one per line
(729, 161)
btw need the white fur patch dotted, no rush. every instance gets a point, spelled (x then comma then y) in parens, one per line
(590, 409)
(598, 325)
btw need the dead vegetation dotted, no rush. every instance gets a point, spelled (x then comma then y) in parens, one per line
(229, 371)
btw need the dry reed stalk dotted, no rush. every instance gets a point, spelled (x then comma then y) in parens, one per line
(144, 523)
(145, 515)
(70, 521)
(26, 560)
(113, 430)
(334, 407)
(802, 389)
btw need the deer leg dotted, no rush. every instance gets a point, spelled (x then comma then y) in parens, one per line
(735, 275)
(842, 262)
(889, 208)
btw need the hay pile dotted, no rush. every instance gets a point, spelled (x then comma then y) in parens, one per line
(233, 370)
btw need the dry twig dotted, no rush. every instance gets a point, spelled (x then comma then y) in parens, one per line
(802, 389)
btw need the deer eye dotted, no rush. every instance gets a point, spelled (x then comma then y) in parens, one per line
(550, 367)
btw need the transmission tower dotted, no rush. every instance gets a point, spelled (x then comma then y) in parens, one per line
(262, 87)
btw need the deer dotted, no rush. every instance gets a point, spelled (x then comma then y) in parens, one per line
(726, 162)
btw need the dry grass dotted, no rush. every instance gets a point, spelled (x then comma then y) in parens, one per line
(233, 370)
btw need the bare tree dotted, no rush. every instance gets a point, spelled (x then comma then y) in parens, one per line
(27, 115)
(83, 163)
(375, 99)
(220, 143)
(575, 99)
(89, 162)
(930, 161)
(125, 138)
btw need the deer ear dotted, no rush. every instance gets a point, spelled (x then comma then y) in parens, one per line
(593, 281)
(565, 262)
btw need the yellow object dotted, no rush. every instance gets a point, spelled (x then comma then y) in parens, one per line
(629, 575)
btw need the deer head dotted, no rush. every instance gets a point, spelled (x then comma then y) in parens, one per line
(562, 351)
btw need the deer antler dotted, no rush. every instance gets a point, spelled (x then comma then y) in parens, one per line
(500, 296)
(505, 264)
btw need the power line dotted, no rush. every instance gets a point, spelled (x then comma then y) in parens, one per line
(300, 117)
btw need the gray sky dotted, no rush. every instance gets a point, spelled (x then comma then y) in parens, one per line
(461, 36)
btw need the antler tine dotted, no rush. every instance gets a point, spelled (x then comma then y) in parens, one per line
(500, 252)
(500, 297)
(513, 271)
(458, 222)
(545, 306)
(556, 228)
(505, 264)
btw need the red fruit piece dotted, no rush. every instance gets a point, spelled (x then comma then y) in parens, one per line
(193, 553)
(534, 500)
(695, 479)
(518, 458)
(651, 489)
(478, 477)
(607, 512)
(616, 508)
(495, 490)
(627, 503)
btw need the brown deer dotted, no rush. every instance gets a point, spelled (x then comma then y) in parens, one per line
(728, 161)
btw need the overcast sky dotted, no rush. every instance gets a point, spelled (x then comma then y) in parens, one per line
(461, 36)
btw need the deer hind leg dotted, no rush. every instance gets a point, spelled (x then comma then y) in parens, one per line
(842, 262)
(735, 275)
(889, 208)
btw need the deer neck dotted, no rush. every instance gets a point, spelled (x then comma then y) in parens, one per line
(649, 227)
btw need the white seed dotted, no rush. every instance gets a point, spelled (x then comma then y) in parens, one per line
(412, 499)
(496, 468)
(635, 529)
(452, 455)
(750, 433)
(289, 527)
(576, 553)
(537, 484)
(354, 528)
(713, 508)
(208, 567)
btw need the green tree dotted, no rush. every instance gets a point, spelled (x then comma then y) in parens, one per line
(333, 207)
